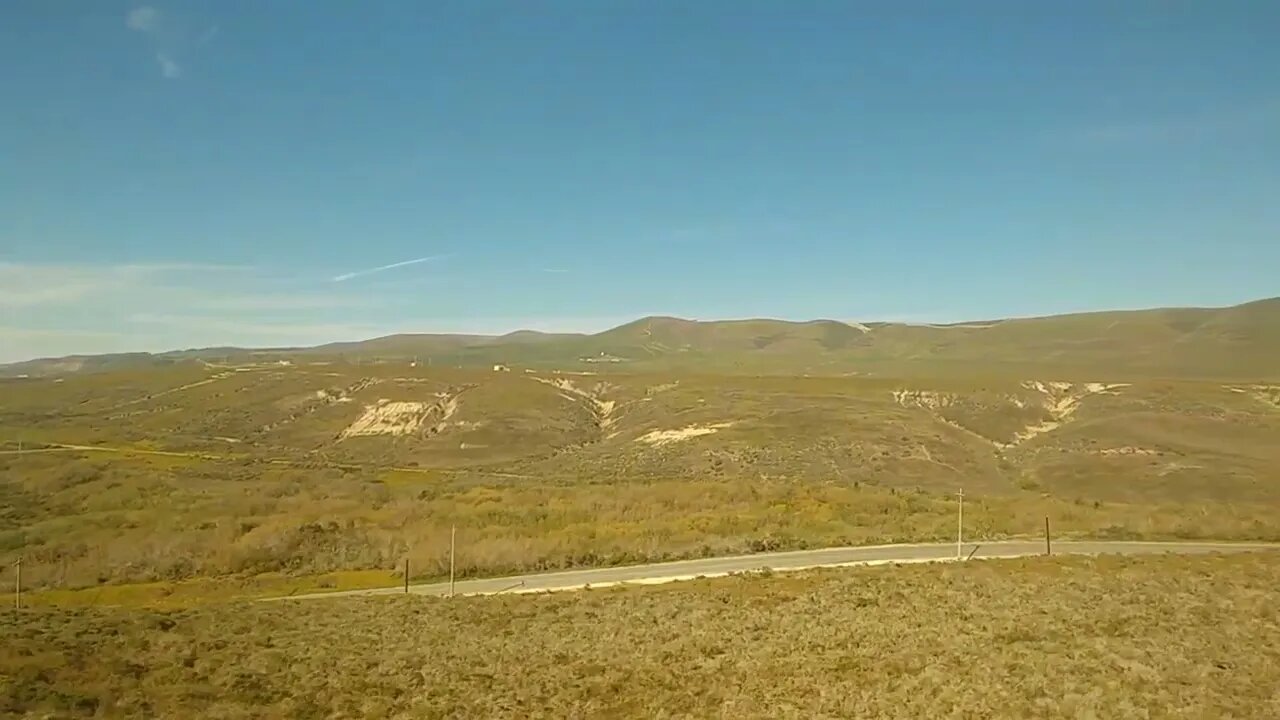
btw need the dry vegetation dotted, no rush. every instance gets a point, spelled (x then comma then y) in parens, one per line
(1236, 343)
(193, 471)
(151, 497)
(1192, 637)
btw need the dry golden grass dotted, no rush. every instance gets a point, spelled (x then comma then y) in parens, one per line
(1157, 637)
(176, 534)
(208, 472)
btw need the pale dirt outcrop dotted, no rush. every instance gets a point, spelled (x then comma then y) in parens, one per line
(664, 437)
(404, 417)
(1060, 400)
(602, 411)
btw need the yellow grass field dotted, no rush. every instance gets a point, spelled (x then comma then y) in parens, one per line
(1158, 637)
(195, 480)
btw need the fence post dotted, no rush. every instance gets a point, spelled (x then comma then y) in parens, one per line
(406, 576)
(453, 537)
(1048, 547)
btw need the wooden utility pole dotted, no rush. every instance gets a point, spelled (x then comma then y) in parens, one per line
(406, 576)
(960, 526)
(17, 586)
(1048, 548)
(453, 537)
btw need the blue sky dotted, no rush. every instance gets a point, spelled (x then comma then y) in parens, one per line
(188, 173)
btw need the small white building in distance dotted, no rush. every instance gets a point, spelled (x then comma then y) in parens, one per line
(501, 368)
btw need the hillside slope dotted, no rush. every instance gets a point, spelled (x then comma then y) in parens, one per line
(1239, 342)
(200, 469)
(1235, 342)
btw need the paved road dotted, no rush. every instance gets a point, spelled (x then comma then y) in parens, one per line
(795, 560)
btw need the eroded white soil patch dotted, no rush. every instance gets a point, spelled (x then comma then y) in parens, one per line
(1059, 400)
(403, 417)
(602, 411)
(927, 399)
(1266, 394)
(1128, 450)
(664, 437)
(301, 406)
(389, 418)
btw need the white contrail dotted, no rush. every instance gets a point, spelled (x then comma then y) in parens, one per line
(402, 263)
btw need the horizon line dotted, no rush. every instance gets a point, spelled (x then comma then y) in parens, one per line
(853, 324)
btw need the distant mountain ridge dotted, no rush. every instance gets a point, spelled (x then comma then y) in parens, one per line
(1236, 341)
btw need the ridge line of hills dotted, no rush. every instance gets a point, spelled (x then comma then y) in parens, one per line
(1236, 341)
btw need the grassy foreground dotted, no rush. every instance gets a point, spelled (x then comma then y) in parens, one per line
(534, 527)
(1064, 637)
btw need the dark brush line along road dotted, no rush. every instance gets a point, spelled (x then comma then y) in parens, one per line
(657, 573)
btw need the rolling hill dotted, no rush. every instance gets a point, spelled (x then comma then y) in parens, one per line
(203, 469)
(657, 439)
(1239, 342)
